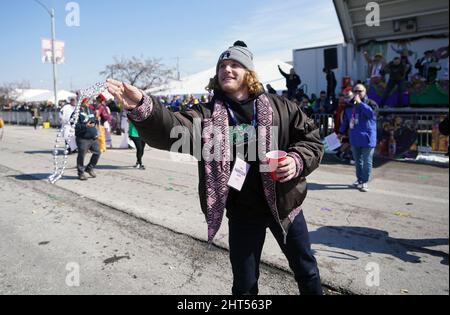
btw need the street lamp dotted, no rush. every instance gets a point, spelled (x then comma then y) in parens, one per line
(52, 16)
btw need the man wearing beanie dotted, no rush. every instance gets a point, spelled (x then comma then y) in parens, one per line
(232, 176)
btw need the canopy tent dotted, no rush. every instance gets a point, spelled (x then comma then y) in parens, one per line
(36, 95)
(31, 95)
(195, 84)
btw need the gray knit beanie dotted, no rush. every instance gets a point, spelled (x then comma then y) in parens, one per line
(240, 53)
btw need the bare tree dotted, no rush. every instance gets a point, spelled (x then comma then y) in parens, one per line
(8, 89)
(141, 73)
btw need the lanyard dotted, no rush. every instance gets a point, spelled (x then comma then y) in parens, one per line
(354, 113)
(233, 116)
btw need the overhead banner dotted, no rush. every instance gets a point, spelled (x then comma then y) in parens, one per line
(46, 51)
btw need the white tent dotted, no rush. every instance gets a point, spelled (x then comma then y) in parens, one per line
(31, 95)
(37, 95)
(267, 71)
(62, 95)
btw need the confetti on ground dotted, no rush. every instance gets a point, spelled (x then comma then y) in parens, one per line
(425, 177)
(326, 210)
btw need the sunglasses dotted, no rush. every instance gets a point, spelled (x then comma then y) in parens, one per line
(358, 91)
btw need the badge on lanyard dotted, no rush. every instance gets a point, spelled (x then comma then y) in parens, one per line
(239, 174)
(352, 124)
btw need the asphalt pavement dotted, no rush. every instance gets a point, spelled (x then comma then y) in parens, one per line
(391, 240)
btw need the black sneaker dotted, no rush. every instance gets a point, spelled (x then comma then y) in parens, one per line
(91, 172)
(82, 177)
(142, 167)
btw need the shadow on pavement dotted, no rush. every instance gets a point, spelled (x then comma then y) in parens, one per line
(113, 167)
(39, 152)
(39, 176)
(314, 186)
(30, 176)
(368, 240)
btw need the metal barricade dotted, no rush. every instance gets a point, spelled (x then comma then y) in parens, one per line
(26, 118)
(423, 123)
(325, 123)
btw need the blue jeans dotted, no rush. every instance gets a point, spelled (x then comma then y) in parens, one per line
(246, 239)
(363, 162)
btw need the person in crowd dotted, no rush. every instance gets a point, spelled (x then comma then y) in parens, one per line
(86, 136)
(36, 115)
(344, 152)
(104, 117)
(360, 122)
(305, 106)
(65, 115)
(138, 143)
(331, 83)
(300, 95)
(428, 66)
(322, 105)
(292, 81)
(376, 68)
(253, 204)
(115, 110)
(397, 72)
(404, 54)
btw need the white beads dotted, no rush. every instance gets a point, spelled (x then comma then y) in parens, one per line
(60, 162)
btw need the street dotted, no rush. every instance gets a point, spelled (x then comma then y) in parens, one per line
(130, 231)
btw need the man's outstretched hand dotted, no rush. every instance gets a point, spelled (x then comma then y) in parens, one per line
(124, 93)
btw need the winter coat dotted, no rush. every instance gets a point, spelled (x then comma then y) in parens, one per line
(297, 135)
(364, 132)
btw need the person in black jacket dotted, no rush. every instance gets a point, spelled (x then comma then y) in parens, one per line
(397, 73)
(238, 108)
(331, 84)
(428, 66)
(86, 136)
(292, 82)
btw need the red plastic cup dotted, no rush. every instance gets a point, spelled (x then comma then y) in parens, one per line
(274, 158)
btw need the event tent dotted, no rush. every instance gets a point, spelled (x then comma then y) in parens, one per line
(195, 84)
(37, 95)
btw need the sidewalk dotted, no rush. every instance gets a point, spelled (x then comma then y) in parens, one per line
(399, 228)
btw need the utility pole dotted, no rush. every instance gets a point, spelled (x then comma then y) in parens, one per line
(178, 69)
(52, 16)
